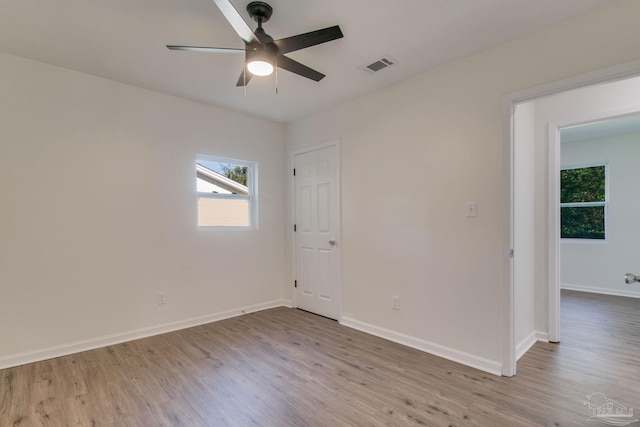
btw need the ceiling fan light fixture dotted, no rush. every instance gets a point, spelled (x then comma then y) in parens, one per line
(260, 67)
(263, 54)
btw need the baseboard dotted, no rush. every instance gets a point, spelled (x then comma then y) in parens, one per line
(106, 340)
(605, 291)
(542, 336)
(523, 346)
(454, 355)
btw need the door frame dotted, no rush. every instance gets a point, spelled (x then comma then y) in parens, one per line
(605, 75)
(292, 190)
(554, 205)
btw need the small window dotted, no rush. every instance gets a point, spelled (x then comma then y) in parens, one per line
(226, 193)
(583, 202)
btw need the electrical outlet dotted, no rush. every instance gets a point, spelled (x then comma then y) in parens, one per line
(162, 298)
(395, 303)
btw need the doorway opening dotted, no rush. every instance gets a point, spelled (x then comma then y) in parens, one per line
(539, 118)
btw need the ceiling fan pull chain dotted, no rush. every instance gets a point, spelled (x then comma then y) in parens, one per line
(276, 61)
(244, 78)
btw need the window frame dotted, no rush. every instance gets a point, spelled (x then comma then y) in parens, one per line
(604, 204)
(251, 197)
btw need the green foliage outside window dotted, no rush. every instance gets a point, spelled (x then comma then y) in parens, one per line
(235, 172)
(582, 185)
(582, 203)
(582, 222)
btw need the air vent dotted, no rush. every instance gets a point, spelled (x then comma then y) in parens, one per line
(379, 64)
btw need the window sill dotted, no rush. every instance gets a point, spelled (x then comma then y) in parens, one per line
(583, 241)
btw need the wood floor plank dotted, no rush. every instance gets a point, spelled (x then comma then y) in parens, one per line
(285, 367)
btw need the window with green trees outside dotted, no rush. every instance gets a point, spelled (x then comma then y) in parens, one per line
(583, 202)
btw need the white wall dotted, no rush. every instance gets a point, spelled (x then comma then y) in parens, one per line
(98, 213)
(442, 132)
(600, 266)
(574, 106)
(524, 227)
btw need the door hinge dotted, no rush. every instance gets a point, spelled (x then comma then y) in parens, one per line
(294, 171)
(511, 253)
(295, 283)
(294, 227)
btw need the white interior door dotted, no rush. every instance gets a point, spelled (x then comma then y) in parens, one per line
(317, 226)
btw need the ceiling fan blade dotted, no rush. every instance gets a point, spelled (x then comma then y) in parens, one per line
(295, 67)
(206, 49)
(290, 44)
(244, 78)
(235, 19)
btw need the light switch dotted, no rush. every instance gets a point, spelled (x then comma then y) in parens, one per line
(472, 210)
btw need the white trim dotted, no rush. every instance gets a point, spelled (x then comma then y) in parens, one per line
(112, 339)
(554, 143)
(604, 204)
(315, 147)
(486, 365)
(529, 341)
(292, 190)
(604, 291)
(251, 196)
(508, 314)
(604, 75)
(523, 346)
(583, 205)
(568, 241)
(583, 165)
(542, 336)
(224, 196)
(219, 159)
(553, 247)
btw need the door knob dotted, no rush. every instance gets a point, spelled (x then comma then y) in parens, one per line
(631, 278)
(332, 242)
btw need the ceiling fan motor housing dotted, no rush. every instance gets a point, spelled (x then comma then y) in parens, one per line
(259, 11)
(261, 47)
(261, 52)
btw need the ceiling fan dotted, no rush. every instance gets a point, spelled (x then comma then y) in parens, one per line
(262, 52)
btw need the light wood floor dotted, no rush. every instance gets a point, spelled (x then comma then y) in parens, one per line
(284, 367)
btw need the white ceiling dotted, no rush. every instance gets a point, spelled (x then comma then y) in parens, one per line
(124, 40)
(602, 129)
